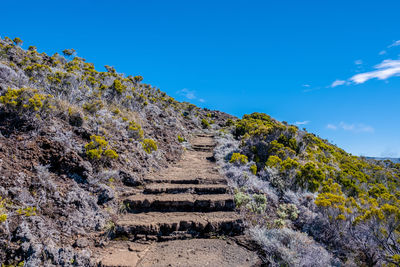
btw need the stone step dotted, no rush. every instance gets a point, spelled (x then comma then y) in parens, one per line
(179, 202)
(203, 147)
(187, 180)
(169, 188)
(164, 226)
(205, 135)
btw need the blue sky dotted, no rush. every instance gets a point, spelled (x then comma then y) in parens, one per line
(329, 66)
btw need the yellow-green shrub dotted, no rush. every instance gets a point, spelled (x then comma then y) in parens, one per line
(239, 159)
(26, 99)
(149, 145)
(118, 86)
(253, 169)
(205, 124)
(3, 215)
(181, 139)
(99, 147)
(135, 130)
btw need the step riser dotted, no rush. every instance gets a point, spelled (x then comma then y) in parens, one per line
(199, 191)
(187, 181)
(185, 229)
(173, 206)
(203, 149)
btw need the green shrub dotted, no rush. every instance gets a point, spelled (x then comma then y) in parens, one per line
(149, 145)
(273, 161)
(181, 139)
(17, 41)
(98, 147)
(93, 106)
(135, 130)
(69, 52)
(27, 211)
(310, 176)
(26, 99)
(259, 203)
(253, 169)
(241, 199)
(229, 122)
(118, 86)
(205, 124)
(239, 159)
(3, 215)
(288, 211)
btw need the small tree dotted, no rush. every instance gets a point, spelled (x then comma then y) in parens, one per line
(69, 52)
(18, 41)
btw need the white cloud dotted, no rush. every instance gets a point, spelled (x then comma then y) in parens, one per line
(355, 127)
(331, 126)
(337, 83)
(383, 52)
(386, 69)
(189, 94)
(358, 62)
(302, 122)
(395, 43)
(306, 85)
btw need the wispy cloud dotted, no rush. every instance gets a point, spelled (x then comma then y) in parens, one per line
(331, 126)
(386, 69)
(354, 127)
(190, 94)
(302, 122)
(395, 43)
(337, 83)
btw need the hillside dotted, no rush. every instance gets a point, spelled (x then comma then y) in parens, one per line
(74, 140)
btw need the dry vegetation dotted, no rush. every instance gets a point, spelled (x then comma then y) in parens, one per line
(319, 199)
(70, 137)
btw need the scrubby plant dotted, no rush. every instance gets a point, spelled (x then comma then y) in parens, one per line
(288, 211)
(69, 52)
(259, 203)
(149, 145)
(205, 124)
(27, 211)
(253, 169)
(118, 86)
(26, 99)
(181, 139)
(93, 106)
(17, 41)
(229, 122)
(99, 147)
(135, 130)
(3, 211)
(238, 158)
(241, 199)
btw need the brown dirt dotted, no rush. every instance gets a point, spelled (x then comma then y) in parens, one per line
(183, 216)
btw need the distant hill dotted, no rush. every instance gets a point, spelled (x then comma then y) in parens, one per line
(394, 160)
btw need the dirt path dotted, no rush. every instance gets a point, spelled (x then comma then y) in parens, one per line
(182, 217)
